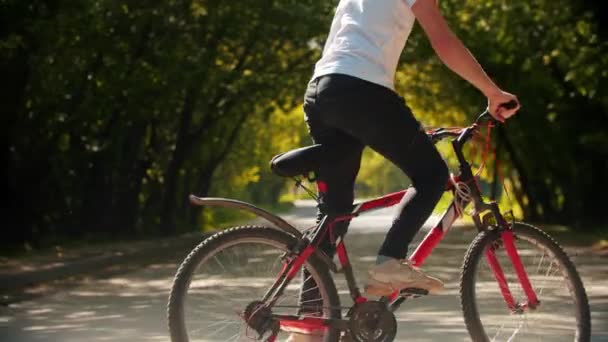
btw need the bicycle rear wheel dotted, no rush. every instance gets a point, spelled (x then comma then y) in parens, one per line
(563, 313)
(227, 272)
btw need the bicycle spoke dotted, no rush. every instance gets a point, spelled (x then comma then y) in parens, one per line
(310, 289)
(219, 323)
(311, 300)
(221, 329)
(514, 333)
(540, 263)
(235, 337)
(498, 332)
(273, 266)
(297, 295)
(219, 263)
(546, 278)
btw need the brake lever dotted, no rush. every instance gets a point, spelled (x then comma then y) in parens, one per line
(483, 116)
(434, 134)
(508, 105)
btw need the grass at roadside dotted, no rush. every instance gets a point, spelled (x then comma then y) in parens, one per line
(595, 237)
(589, 236)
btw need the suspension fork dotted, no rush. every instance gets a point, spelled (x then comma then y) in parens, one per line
(508, 240)
(509, 243)
(500, 278)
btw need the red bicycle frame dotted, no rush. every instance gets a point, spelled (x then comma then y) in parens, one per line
(308, 246)
(423, 250)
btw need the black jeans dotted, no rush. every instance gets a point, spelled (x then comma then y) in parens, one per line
(346, 110)
(354, 113)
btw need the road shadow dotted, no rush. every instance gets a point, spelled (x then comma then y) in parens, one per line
(131, 306)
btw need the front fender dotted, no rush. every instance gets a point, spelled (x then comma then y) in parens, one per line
(278, 222)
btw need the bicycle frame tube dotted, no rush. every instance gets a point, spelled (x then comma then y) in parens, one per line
(348, 273)
(307, 325)
(434, 236)
(301, 325)
(379, 203)
(431, 240)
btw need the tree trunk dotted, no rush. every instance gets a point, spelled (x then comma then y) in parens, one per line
(125, 209)
(182, 148)
(15, 213)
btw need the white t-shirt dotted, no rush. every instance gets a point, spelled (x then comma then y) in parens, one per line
(366, 39)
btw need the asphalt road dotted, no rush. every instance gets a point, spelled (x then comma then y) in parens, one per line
(131, 307)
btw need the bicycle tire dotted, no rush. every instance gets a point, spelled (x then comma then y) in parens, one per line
(231, 237)
(521, 230)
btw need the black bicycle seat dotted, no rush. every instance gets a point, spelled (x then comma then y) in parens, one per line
(303, 160)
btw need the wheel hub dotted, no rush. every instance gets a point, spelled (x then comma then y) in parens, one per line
(372, 322)
(258, 317)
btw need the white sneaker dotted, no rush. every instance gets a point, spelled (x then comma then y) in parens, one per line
(304, 338)
(393, 274)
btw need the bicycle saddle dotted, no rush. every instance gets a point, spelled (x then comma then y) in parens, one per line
(304, 159)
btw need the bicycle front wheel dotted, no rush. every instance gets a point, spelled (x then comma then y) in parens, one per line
(563, 312)
(221, 278)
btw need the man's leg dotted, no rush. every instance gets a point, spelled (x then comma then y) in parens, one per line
(429, 175)
(339, 175)
(380, 119)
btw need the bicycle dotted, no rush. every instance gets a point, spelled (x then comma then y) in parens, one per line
(260, 299)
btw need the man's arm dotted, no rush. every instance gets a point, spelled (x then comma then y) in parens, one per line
(458, 58)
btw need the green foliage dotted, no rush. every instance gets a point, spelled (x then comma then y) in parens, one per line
(113, 112)
(246, 173)
(553, 55)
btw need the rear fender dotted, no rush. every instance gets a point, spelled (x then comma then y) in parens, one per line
(278, 222)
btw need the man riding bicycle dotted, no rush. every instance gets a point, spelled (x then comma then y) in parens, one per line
(350, 102)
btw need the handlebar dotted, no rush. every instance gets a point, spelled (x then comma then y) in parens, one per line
(442, 133)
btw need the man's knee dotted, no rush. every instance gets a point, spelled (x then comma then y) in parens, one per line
(436, 179)
(443, 174)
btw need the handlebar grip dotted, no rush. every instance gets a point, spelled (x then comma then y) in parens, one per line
(509, 105)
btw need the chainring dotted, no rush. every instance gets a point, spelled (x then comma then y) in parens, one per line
(372, 322)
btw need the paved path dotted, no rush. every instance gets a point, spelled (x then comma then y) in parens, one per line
(131, 307)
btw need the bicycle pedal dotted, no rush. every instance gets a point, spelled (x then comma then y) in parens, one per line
(413, 292)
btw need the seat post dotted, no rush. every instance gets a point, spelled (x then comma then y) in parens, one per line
(321, 186)
(322, 190)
